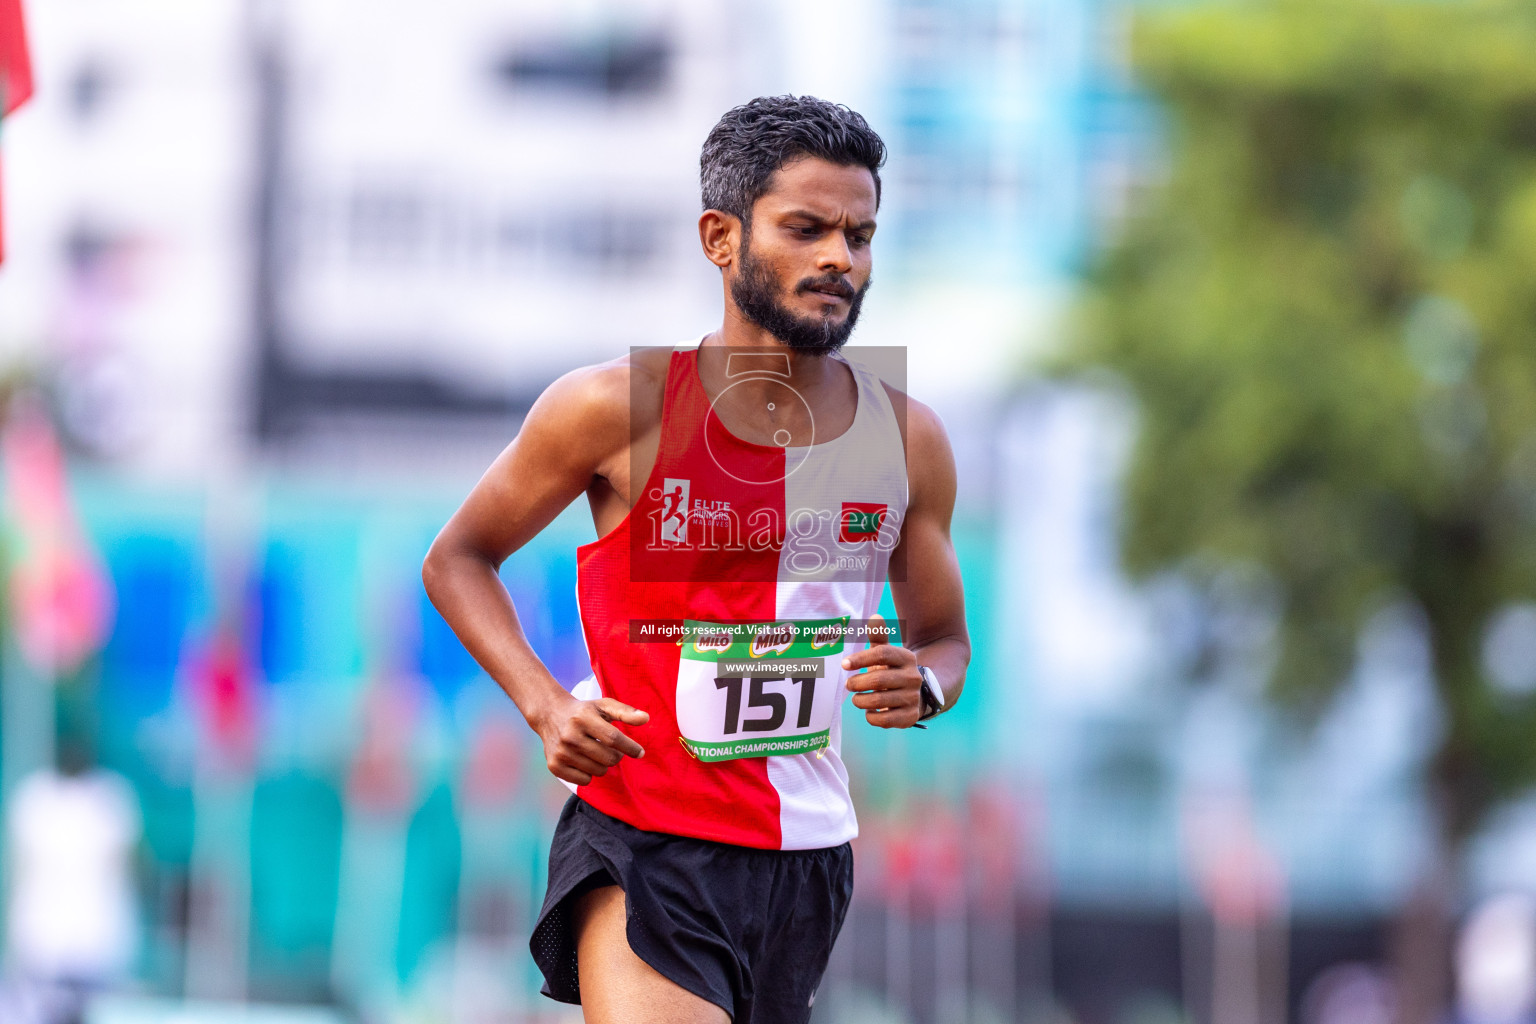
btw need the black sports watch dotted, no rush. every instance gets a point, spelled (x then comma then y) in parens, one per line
(932, 693)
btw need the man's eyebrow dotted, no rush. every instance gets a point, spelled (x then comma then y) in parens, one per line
(816, 218)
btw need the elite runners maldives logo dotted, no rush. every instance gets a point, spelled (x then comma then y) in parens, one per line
(674, 511)
(860, 521)
(677, 510)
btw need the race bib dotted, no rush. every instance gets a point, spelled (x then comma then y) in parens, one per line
(760, 689)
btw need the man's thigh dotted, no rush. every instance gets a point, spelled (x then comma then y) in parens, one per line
(617, 987)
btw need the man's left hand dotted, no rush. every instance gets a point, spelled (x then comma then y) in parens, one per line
(890, 693)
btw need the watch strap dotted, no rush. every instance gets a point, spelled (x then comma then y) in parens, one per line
(932, 694)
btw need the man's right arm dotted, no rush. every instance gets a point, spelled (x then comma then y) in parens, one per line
(576, 432)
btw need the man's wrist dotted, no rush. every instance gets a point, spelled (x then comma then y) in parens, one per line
(932, 694)
(546, 705)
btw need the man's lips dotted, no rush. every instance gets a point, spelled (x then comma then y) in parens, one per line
(832, 291)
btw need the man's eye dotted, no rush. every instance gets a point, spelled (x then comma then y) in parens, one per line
(808, 232)
(859, 239)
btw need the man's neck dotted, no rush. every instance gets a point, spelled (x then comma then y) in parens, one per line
(766, 355)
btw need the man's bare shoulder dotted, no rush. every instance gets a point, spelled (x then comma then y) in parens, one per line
(621, 395)
(922, 431)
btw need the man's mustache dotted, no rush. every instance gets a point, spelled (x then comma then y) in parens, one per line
(834, 284)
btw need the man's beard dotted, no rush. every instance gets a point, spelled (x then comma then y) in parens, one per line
(756, 294)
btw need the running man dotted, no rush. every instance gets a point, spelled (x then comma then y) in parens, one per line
(702, 870)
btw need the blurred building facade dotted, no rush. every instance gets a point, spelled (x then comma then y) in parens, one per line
(278, 215)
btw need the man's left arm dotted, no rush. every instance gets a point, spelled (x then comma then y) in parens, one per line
(925, 585)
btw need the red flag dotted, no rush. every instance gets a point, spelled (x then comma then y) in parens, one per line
(61, 600)
(226, 695)
(15, 70)
(15, 63)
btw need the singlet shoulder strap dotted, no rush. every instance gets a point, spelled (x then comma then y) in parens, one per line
(873, 395)
(683, 402)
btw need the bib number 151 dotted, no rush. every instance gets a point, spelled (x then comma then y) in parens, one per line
(759, 695)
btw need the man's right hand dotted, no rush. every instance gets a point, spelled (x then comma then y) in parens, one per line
(581, 741)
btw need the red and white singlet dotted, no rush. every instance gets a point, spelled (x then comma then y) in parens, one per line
(763, 556)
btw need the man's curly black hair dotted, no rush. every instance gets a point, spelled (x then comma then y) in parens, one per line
(754, 140)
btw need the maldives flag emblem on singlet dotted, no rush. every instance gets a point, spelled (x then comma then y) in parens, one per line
(861, 521)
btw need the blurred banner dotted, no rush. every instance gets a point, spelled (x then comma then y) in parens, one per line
(60, 599)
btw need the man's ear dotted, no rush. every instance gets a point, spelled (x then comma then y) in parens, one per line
(720, 235)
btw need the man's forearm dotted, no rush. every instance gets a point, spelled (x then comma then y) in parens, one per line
(468, 593)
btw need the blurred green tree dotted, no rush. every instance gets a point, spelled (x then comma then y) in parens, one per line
(1325, 314)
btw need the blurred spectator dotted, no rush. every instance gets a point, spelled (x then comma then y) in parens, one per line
(1349, 993)
(72, 929)
(1496, 963)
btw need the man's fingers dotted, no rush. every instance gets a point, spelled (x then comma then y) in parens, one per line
(574, 767)
(616, 740)
(878, 653)
(597, 751)
(610, 710)
(885, 654)
(582, 736)
(883, 699)
(588, 755)
(610, 740)
(570, 775)
(615, 710)
(882, 679)
(893, 718)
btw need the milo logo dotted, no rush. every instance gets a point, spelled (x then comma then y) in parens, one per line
(774, 639)
(784, 638)
(826, 636)
(713, 643)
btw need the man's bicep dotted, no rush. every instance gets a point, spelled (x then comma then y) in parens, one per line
(925, 583)
(562, 444)
(929, 598)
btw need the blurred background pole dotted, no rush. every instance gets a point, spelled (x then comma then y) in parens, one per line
(994, 857)
(26, 717)
(219, 900)
(380, 795)
(489, 946)
(28, 720)
(219, 679)
(945, 872)
(218, 926)
(1240, 966)
(26, 733)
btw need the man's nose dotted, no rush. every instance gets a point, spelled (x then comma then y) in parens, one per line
(834, 254)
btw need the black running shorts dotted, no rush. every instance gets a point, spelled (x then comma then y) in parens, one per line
(749, 930)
